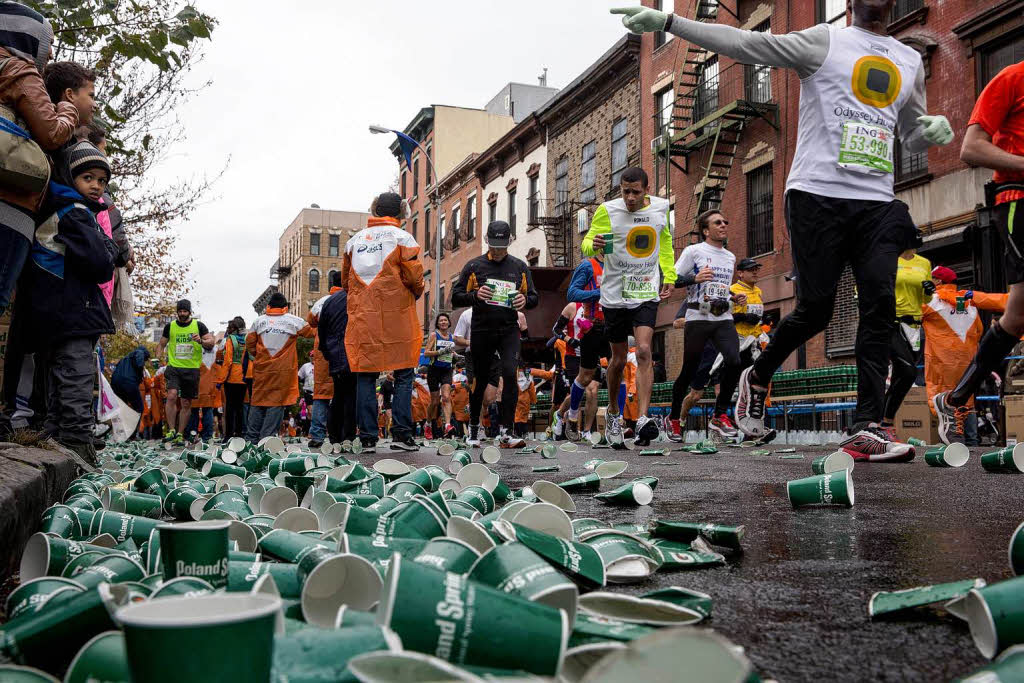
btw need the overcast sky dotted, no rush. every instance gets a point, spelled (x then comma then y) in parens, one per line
(295, 86)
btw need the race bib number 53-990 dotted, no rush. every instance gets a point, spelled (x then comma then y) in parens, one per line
(865, 148)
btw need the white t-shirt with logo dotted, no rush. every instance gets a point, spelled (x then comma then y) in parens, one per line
(722, 262)
(632, 272)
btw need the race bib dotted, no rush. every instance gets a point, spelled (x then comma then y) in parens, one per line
(183, 350)
(865, 148)
(755, 309)
(912, 333)
(444, 349)
(715, 290)
(502, 292)
(639, 287)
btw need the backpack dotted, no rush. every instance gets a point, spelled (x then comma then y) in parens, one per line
(23, 164)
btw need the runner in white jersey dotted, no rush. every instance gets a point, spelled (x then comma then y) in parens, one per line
(635, 235)
(857, 86)
(706, 269)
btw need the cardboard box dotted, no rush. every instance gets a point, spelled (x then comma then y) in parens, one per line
(915, 419)
(1013, 428)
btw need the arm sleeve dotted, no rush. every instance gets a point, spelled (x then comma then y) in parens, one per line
(600, 224)
(462, 290)
(87, 251)
(990, 302)
(577, 285)
(916, 105)
(558, 329)
(532, 298)
(666, 254)
(411, 268)
(804, 51)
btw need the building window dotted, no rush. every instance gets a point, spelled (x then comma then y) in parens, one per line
(314, 243)
(588, 173)
(908, 166)
(618, 151)
(471, 218)
(757, 77)
(996, 58)
(561, 185)
(415, 227)
(664, 102)
(404, 174)
(492, 211)
(512, 212)
(334, 242)
(430, 156)
(416, 177)
(331, 276)
(707, 9)
(442, 230)
(831, 12)
(707, 89)
(534, 200)
(314, 280)
(904, 7)
(662, 37)
(455, 231)
(760, 230)
(426, 230)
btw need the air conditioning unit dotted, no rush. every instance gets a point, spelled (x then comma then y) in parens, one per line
(657, 143)
(582, 221)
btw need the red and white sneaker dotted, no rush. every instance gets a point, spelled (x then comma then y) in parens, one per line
(889, 431)
(428, 432)
(674, 431)
(873, 444)
(724, 426)
(750, 406)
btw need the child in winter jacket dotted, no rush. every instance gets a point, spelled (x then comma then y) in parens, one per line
(70, 257)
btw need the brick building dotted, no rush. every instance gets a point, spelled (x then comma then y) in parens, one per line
(460, 230)
(309, 249)
(721, 134)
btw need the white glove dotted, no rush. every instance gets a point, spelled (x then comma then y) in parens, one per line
(936, 129)
(642, 19)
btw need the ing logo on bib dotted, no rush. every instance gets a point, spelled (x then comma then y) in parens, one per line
(876, 81)
(641, 241)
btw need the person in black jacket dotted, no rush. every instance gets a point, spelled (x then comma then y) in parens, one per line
(128, 376)
(497, 286)
(341, 424)
(67, 313)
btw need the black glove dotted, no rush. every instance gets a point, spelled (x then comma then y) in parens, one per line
(928, 286)
(574, 343)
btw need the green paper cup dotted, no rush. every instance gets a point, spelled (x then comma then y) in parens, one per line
(226, 637)
(545, 517)
(953, 455)
(1010, 459)
(196, 549)
(31, 596)
(686, 532)
(227, 505)
(299, 484)
(632, 493)
(833, 462)
(62, 521)
(588, 482)
(318, 655)
(243, 576)
(996, 616)
(478, 497)
(638, 610)
(84, 501)
(277, 500)
(81, 486)
(218, 468)
(490, 455)
(131, 502)
(514, 568)
(391, 469)
(449, 555)
(834, 488)
(914, 441)
(289, 546)
(405, 490)
(47, 555)
(184, 503)
(584, 524)
(554, 494)
(547, 468)
(297, 519)
(468, 623)
(459, 460)
(445, 450)
(609, 244)
(627, 558)
(469, 532)
(386, 667)
(183, 585)
(578, 561)
(12, 673)
(297, 465)
(340, 581)
(109, 569)
(549, 451)
(122, 526)
(1016, 551)
(153, 481)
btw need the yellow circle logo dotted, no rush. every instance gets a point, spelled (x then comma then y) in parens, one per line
(876, 81)
(641, 241)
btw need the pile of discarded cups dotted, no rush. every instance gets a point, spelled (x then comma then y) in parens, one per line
(267, 563)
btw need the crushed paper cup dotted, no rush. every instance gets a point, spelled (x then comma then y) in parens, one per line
(514, 568)
(694, 555)
(1008, 666)
(715, 534)
(632, 609)
(627, 558)
(582, 525)
(409, 667)
(470, 533)
(707, 657)
(579, 561)
(549, 492)
(683, 597)
(591, 628)
(886, 602)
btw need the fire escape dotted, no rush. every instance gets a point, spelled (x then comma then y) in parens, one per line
(700, 131)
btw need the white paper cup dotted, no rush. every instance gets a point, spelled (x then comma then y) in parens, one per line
(545, 517)
(277, 500)
(297, 519)
(343, 580)
(470, 533)
(554, 494)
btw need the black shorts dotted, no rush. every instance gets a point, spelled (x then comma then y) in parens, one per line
(572, 368)
(619, 322)
(493, 375)
(594, 346)
(184, 380)
(1012, 232)
(437, 376)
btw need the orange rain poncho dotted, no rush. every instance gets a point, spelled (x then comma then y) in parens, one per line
(276, 364)
(323, 385)
(383, 274)
(527, 398)
(420, 399)
(951, 337)
(632, 409)
(211, 373)
(460, 402)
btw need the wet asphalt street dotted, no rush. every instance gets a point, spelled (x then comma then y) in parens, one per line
(796, 599)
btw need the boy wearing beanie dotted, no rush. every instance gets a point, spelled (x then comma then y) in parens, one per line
(69, 259)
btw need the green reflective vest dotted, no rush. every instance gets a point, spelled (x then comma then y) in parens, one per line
(182, 352)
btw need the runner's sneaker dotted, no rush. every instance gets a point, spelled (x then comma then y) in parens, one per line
(674, 431)
(313, 443)
(407, 444)
(558, 429)
(369, 447)
(750, 406)
(171, 436)
(724, 426)
(449, 429)
(646, 431)
(613, 429)
(428, 432)
(506, 440)
(871, 443)
(627, 433)
(951, 419)
(572, 429)
(178, 440)
(473, 440)
(890, 431)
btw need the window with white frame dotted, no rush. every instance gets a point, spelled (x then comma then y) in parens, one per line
(588, 173)
(618, 151)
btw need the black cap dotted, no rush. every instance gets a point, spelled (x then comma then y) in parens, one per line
(277, 300)
(184, 305)
(388, 204)
(747, 264)
(499, 234)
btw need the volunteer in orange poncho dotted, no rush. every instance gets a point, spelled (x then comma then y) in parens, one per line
(420, 399)
(527, 399)
(234, 382)
(952, 331)
(275, 367)
(460, 402)
(211, 375)
(383, 276)
(323, 384)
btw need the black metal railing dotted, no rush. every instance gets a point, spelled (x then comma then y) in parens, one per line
(716, 88)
